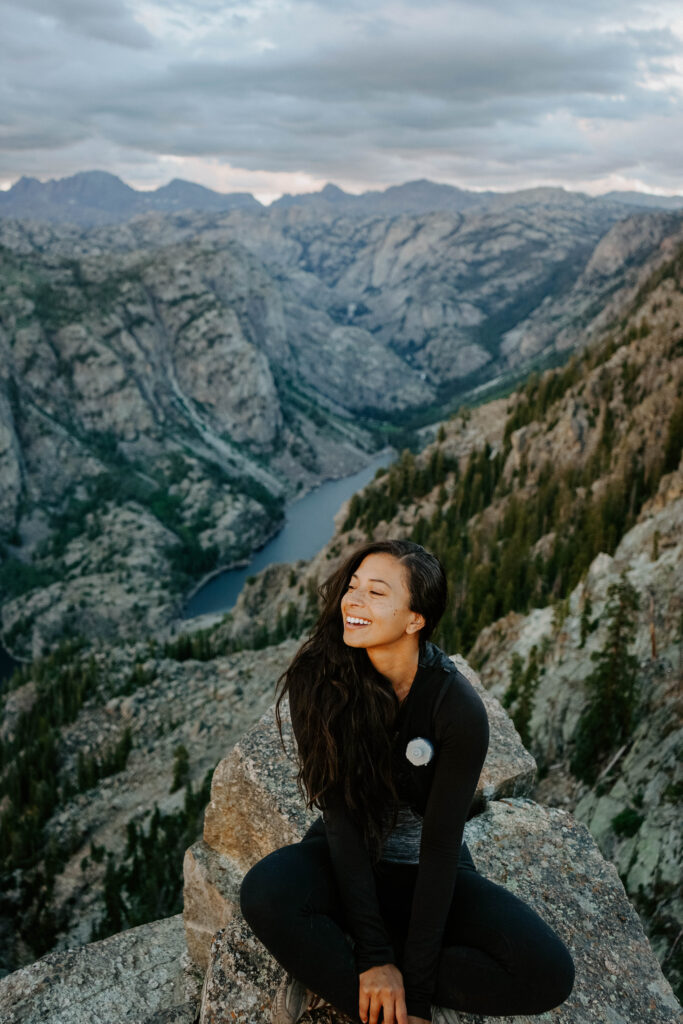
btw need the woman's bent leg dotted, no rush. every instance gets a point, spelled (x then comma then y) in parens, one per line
(499, 956)
(291, 902)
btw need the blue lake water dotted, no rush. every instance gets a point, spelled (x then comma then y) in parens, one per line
(309, 525)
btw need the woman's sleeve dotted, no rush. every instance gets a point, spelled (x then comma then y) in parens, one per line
(356, 881)
(462, 735)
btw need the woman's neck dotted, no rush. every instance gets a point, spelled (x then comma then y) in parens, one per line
(397, 664)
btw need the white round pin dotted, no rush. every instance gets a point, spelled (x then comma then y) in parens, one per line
(419, 751)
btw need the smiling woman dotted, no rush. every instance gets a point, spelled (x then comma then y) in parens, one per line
(380, 910)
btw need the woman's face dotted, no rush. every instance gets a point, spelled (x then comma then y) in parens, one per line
(376, 606)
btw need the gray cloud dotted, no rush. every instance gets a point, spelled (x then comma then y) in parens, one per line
(110, 20)
(477, 93)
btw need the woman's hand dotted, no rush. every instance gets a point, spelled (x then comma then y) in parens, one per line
(381, 988)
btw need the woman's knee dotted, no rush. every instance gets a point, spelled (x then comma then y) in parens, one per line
(259, 892)
(561, 977)
(280, 884)
(544, 963)
(554, 969)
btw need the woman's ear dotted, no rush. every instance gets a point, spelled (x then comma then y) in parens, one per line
(416, 623)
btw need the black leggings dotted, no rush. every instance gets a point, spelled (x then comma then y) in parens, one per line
(498, 956)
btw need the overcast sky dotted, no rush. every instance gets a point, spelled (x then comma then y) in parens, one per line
(270, 96)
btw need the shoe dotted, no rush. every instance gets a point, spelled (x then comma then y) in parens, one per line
(444, 1015)
(291, 1000)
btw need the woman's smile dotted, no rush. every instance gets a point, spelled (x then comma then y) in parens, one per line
(356, 622)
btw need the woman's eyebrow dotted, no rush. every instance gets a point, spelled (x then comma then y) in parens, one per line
(374, 580)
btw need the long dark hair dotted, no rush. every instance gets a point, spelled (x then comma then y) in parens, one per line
(343, 709)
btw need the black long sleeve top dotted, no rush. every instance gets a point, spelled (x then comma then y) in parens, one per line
(442, 707)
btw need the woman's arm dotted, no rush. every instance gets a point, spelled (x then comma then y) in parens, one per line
(354, 875)
(462, 735)
(356, 881)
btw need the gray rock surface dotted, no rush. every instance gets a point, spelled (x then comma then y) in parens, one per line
(550, 859)
(140, 976)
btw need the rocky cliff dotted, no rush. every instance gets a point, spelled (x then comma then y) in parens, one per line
(164, 702)
(634, 809)
(144, 438)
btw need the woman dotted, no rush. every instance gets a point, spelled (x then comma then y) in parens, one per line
(380, 908)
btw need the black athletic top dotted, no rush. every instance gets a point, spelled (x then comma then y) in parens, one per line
(438, 779)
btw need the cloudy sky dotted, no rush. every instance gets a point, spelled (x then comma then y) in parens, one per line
(273, 96)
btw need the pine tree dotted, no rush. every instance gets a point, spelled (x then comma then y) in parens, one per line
(521, 691)
(181, 767)
(608, 719)
(516, 673)
(586, 626)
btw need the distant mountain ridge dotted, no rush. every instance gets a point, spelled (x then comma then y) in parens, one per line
(97, 197)
(90, 198)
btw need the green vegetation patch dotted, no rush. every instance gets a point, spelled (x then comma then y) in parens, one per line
(627, 822)
(147, 883)
(35, 783)
(612, 693)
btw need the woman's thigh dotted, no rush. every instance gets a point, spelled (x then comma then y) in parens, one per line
(489, 916)
(482, 914)
(499, 956)
(395, 882)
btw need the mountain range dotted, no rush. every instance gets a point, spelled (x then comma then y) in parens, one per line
(99, 197)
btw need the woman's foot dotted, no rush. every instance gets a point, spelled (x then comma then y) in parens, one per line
(316, 1002)
(291, 1000)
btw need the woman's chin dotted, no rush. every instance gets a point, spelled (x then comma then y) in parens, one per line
(352, 639)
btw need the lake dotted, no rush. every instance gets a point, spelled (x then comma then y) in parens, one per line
(309, 525)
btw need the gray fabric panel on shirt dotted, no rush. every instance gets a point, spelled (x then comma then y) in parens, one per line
(402, 844)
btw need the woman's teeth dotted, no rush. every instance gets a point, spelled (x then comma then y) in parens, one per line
(357, 622)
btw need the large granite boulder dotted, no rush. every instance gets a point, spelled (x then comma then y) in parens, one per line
(549, 859)
(541, 853)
